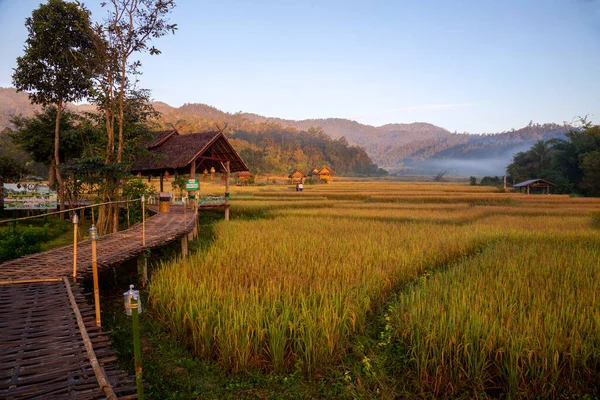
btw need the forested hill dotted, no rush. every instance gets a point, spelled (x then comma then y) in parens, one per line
(405, 148)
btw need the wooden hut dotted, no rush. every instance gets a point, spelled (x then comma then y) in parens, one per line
(243, 178)
(314, 175)
(297, 176)
(541, 184)
(171, 153)
(325, 174)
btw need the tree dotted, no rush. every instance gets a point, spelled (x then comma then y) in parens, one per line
(36, 135)
(56, 66)
(11, 170)
(129, 28)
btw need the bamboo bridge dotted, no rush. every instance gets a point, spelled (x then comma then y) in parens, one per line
(50, 346)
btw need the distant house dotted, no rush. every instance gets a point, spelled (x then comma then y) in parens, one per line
(314, 174)
(321, 175)
(297, 176)
(243, 178)
(541, 184)
(325, 174)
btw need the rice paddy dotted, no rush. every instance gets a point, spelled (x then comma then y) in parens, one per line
(485, 292)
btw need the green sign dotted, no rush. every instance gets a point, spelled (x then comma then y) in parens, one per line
(192, 184)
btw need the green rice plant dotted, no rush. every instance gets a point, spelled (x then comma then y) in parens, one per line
(523, 316)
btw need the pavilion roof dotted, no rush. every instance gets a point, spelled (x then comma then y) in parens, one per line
(171, 151)
(533, 182)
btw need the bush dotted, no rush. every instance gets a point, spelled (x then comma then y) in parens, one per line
(134, 189)
(15, 243)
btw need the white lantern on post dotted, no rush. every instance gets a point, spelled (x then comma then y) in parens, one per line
(128, 296)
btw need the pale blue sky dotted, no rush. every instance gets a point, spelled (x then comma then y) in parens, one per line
(476, 66)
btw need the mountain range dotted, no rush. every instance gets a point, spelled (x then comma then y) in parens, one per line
(414, 148)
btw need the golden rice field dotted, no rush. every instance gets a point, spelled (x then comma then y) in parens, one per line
(483, 291)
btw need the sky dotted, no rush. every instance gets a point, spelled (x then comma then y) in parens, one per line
(477, 66)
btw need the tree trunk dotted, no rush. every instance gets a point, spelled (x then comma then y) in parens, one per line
(61, 184)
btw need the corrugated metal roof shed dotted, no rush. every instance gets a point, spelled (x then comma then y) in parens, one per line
(533, 182)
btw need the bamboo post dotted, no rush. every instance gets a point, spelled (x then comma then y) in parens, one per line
(227, 191)
(143, 221)
(94, 238)
(75, 230)
(136, 348)
(184, 245)
(145, 271)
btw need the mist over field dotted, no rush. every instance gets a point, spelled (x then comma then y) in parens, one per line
(484, 166)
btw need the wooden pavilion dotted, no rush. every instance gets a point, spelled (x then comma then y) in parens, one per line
(171, 154)
(297, 176)
(535, 183)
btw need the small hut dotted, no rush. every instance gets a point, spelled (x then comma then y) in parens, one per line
(314, 175)
(325, 174)
(243, 178)
(297, 176)
(541, 184)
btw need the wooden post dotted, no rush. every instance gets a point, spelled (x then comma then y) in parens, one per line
(96, 289)
(227, 190)
(184, 245)
(528, 190)
(161, 182)
(75, 230)
(143, 221)
(193, 176)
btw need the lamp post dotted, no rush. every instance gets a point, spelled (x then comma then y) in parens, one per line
(75, 221)
(133, 307)
(94, 238)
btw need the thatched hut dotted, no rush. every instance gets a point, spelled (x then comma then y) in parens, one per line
(171, 153)
(243, 178)
(325, 174)
(297, 176)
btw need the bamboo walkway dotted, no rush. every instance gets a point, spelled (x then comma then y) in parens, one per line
(50, 347)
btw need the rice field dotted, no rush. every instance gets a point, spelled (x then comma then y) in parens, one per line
(485, 292)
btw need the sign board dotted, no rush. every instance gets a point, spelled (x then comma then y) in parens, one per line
(29, 196)
(192, 184)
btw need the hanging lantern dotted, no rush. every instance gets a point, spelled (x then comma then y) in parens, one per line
(166, 175)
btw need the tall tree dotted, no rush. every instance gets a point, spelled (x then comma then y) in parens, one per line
(130, 27)
(56, 66)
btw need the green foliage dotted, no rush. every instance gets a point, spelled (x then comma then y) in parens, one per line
(573, 164)
(35, 135)
(272, 148)
(472, 181)
(19, 241)
(134, 189)
(11, 170)
(492, 181)
(59, 49)
(179, 184)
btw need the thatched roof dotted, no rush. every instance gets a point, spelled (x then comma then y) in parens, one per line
(296, 172)
(314, 171)
(325, 171)
(171, 151)
(244, 174)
